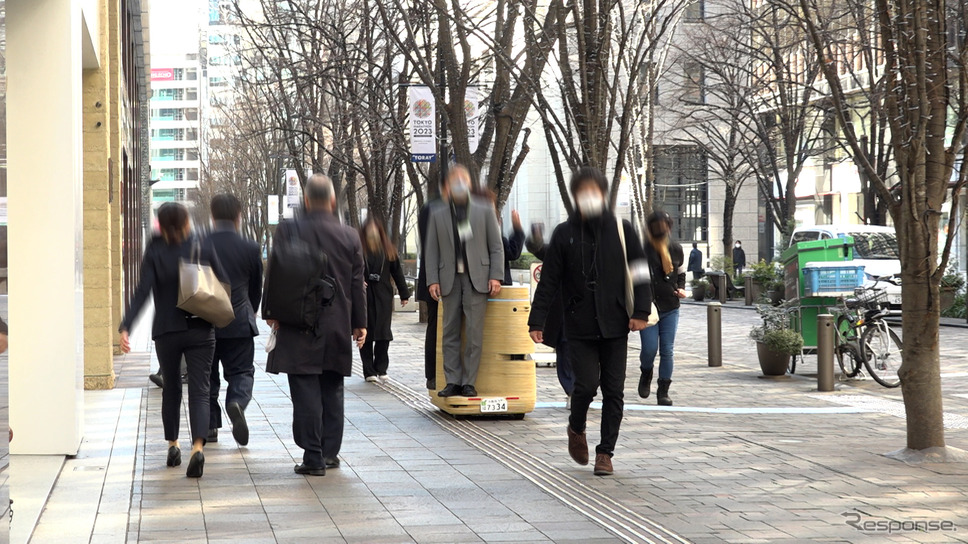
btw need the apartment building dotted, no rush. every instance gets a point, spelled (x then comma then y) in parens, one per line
(178, 85)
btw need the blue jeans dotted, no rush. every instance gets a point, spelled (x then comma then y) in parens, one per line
(661, 339)
(566, 374)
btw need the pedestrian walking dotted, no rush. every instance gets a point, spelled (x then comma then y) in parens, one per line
(465, 263)
(587, 262)
(423, 295)
(695, 262)
(235, 344)
(383, 271)
(177, 333)
(739, 259)
(317, 355)
(553, 333)
(668, 287)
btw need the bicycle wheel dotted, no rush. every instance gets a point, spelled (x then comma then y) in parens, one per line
(849, 360)
(882, 354)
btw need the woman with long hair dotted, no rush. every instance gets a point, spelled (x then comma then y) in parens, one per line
(382, 271)
(666, 263)
(176, 332)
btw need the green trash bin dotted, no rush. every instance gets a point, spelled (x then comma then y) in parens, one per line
(794, 260)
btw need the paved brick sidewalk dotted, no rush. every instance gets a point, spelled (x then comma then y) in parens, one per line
(738, 459)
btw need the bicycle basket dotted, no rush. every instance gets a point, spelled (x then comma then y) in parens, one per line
(870, 298)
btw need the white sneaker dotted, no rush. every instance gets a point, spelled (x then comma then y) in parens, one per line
(384, 379)
(372, 379)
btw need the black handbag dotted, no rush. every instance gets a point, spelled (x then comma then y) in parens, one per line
(298, 283)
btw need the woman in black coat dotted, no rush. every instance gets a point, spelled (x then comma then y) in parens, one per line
(382, 271)
(176, 332)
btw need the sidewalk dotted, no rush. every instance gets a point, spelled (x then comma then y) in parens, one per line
(738, 459)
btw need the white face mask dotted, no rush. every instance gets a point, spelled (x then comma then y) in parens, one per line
(739, 246)
(459, 192)
(590, 205)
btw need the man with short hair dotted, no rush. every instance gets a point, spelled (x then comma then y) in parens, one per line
(234, 344)
(695, 262)
(465, 263)
(739, 259)
(585, 263)
(318, 359)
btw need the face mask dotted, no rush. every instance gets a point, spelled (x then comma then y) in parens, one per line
(739, 246)
(459, 192)
(590, 205)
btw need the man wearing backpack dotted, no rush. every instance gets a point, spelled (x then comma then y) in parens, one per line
(318, 356)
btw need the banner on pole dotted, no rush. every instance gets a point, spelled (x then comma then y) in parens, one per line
(472, 98)
(423, 125)
(292, 190)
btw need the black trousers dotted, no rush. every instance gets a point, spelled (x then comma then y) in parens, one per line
(197, 344)
(317, 415)
(599, 363)
(430, 342)
(376, 357)
(237, 356)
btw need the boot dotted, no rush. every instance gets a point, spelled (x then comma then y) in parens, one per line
(662, 393)
(577, 446)
(645, 383)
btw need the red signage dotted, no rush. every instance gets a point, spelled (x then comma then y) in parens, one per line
(162, 74)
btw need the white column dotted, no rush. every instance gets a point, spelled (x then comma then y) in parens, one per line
(45, 245)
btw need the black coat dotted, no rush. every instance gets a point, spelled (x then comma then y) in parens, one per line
(159, 277)
(423, 293)
(739, 257)
(242, 261)
(579, 253)
(695, 261)
(330, 348)
(379, 295)
(664, 285)
(552, 326)
(512, 252)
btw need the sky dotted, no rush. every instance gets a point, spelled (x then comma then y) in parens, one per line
(174, 26)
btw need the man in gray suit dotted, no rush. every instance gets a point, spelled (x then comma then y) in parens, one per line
(465, 263)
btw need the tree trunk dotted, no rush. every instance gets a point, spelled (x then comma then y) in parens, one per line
(728, 209)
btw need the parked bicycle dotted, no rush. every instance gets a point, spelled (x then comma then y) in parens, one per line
(865, 339)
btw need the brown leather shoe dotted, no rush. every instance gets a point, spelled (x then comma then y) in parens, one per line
(577, 447)
(603, 464)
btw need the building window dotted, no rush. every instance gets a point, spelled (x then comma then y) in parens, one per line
(681, 190)
(695, 11)
(694, 91)
(191, 74)
(191, 94)
(178, 74)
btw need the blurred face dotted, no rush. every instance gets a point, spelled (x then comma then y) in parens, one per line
(659, 230)
(459, 187)
(372, 236)
(590, 200)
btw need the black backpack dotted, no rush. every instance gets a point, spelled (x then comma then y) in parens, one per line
(298, 283)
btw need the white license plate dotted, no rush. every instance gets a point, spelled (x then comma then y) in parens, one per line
(895, 300)
(494, 405)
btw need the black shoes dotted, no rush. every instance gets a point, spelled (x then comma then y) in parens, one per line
(240, 429)
(468, 391)
(196, 465)
(432, 384)
(662, 393)
(645, 383)
(331, 462)
(157, 379)
(309, 471)
(452, 390)
(212, 435)
(174, 456)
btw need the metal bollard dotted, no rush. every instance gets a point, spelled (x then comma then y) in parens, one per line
(714, 331)
(825, 352)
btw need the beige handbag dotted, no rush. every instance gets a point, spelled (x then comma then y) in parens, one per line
(629, 288)
(201, 294)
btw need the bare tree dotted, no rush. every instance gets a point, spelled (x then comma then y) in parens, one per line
(926, 105)
(604, 47)
(723, 124)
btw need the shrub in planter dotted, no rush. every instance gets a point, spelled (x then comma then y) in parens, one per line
(951, 283)
(775, 341)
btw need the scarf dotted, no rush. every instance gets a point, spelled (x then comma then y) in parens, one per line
(662, 248)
